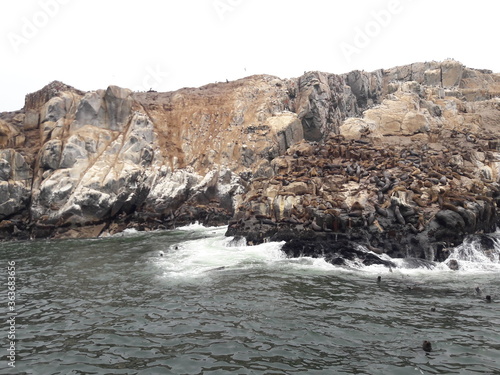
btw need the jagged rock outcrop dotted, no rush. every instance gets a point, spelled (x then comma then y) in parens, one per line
(15, 176)
(322, 102)
(404, 200)
(404, 160)
(416, 174)
(120, 158)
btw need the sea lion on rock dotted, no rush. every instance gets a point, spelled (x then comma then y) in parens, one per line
(356, 206)
(355, 214)
(419, 201)
(380, 197)
(381, 211)
(374, 249)
(315, 226)
(399, 218)
(371, 218)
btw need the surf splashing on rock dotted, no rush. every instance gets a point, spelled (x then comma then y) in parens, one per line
(215, 252)
(210, 251)
(477, 253)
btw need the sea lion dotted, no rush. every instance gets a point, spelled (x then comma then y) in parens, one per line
(371, 218)
(382, 212)
(268, 222)
(374, 249)
(453, 265)
(421, 222)
(356, 206)
(355, 213)
(427, 346)
(380, 197)
(399, 218)
(419, 201)
(315, 226)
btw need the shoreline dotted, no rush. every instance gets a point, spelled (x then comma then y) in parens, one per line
(404, 161)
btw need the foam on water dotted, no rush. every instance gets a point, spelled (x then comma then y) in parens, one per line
(128, 232)
(116, 306)
(197, 227)
(215, 253)
(472, 256)
(194, 227)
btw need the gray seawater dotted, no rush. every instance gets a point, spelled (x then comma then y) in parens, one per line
(211, 306)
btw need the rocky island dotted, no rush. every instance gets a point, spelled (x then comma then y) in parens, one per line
(403, 161)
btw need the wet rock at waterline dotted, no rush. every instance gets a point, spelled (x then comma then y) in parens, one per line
(391, 198)
(402, 161)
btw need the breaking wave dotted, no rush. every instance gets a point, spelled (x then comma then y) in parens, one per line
(216, 253)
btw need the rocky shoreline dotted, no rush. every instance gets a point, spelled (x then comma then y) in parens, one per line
(404, 201)
(403, 161)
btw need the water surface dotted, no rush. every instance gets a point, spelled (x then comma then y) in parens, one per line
(193, 302)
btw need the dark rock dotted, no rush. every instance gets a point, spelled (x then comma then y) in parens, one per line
(335, 252)
(418, 263)
(451, 220)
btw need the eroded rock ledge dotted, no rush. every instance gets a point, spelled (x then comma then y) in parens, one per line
(414, 200)
(404, 160)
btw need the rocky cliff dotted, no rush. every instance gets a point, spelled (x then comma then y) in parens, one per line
(404, 160)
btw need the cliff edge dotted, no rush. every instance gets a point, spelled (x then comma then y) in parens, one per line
(403, 160)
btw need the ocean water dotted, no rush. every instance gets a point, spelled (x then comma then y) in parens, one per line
(192, 301)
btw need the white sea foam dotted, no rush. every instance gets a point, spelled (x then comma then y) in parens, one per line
(128, 232)
(197, 227)
(216, 253)
(472, 257)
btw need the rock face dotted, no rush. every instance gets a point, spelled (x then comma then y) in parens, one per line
(411, 177)
(408, 200)
(72, 159)
(15, 177)
(404, 161)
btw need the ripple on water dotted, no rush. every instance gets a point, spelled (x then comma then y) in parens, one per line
(111, 306)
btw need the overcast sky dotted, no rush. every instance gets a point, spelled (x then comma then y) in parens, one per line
(166, 45)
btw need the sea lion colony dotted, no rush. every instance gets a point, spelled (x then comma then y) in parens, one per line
(396, 199)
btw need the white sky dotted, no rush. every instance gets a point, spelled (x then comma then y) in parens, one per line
(166, 44)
